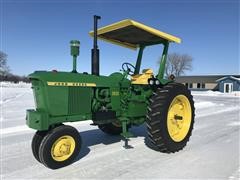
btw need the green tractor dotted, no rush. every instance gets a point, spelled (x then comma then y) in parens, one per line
(114, 103)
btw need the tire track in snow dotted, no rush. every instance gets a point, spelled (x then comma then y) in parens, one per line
(10, 99)
(25, 129)
(219, 112)
(235, 175)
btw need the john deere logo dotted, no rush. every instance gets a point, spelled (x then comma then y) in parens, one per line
(71, 84)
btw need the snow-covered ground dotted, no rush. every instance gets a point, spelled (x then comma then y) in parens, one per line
(212, 153)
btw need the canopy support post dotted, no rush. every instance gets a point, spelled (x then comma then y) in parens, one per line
(163, 61)
(139, 60)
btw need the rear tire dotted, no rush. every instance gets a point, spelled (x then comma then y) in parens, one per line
(170, 118)
(60, 147)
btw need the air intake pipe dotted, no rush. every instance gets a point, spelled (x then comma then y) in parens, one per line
(75, 52)
(95, 50)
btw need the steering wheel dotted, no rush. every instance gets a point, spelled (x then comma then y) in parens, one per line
(127, 67)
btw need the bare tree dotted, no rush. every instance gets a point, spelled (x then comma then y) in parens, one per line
(5, 74)
(4, 69)
(178, 64)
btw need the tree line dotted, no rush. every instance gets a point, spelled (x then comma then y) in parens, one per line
(5, 74)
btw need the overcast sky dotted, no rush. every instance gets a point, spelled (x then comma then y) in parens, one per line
(36, 34)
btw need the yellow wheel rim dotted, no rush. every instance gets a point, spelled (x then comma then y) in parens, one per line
(179, 118)
(63, 148)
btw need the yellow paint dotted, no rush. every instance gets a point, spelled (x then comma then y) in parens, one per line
(129, 22)
(115, 93)
(63, 148)
(116, 42)
(178, 129)
(142, 78)
(71, 84)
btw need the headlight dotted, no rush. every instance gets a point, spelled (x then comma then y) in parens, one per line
(157, 82)
(151, 82)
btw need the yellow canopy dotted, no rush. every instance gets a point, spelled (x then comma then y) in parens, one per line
(132, 34)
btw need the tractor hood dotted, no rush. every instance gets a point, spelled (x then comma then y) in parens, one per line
(65, 96)
(52, 78)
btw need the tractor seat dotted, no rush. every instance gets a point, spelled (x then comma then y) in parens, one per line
(142, 78)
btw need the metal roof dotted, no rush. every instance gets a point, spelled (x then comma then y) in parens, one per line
(132, 34)
(229, 77)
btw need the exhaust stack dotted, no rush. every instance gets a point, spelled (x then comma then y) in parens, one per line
(95, 50)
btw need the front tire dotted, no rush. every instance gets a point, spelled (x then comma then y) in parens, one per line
(170, 118)
(36, 141)
(60, 147)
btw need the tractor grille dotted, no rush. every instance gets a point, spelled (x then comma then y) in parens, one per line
(74, 100)
(79, 100)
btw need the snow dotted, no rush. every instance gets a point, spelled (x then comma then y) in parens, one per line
(237, 123)
(17, 85)
(216, 93)
(212, 152)
(9, 93)
(204, 104)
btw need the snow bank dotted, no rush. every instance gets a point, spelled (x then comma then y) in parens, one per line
(236, 93)
(18, 85)
(216, 93)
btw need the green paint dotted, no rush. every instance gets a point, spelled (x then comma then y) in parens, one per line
(67, 97)
(74, 64)
(139, 60)
(163, 61)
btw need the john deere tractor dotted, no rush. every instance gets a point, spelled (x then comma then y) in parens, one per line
(114, 103)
